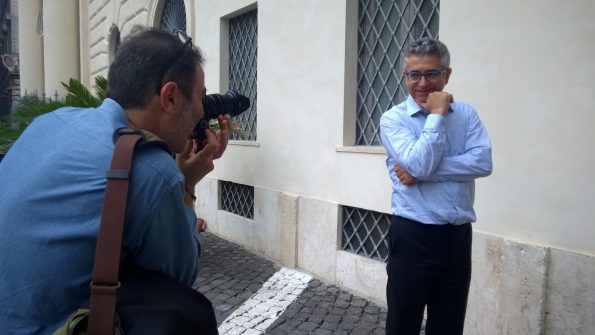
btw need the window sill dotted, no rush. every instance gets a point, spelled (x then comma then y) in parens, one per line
(374, 150)
(244, 143)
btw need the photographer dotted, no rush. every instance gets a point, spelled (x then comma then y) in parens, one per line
(54, 179)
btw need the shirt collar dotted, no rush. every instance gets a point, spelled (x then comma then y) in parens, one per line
(413, 107)
(111, 106)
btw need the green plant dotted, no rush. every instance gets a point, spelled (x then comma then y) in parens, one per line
(79, 96)
(31, 107)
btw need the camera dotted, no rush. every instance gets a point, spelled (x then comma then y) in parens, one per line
(232, 103)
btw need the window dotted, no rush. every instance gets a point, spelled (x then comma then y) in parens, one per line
(243, 47)
(237, 199)
(173, 16)
(385, 29)
(364, 232)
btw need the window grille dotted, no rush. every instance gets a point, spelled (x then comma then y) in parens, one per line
(243, 47)
(364, 232)
(385, 29)
(237, 199)
(173, 16)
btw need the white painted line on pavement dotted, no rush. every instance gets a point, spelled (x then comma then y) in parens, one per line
(256, 314)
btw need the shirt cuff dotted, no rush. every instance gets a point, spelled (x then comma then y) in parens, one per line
(434, 121)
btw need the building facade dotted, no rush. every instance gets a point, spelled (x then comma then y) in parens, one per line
(305, 184)
(9, 48)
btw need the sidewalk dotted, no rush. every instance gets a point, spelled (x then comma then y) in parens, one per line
(251, 295)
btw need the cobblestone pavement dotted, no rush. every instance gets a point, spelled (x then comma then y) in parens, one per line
(252, 295)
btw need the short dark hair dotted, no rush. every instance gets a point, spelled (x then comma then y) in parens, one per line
(429, 46)
(139, 64)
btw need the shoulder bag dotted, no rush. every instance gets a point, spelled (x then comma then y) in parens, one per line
(137, 301)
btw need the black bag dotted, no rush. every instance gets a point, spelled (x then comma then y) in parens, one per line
(142, 302)
(150, 302)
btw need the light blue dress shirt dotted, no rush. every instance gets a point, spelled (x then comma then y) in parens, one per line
(445, 153)
(52, 182)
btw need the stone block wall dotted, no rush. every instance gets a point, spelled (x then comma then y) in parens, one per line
(516, 288)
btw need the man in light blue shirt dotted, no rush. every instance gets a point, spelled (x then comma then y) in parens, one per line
(436, 149)
(54, 179)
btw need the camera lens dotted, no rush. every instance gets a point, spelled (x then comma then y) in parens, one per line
(231, 103)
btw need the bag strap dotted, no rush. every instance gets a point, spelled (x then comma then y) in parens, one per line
(106, 268)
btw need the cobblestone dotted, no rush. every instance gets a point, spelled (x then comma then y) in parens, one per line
(251, 296)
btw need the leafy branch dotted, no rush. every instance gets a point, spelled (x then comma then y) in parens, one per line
(31, 107)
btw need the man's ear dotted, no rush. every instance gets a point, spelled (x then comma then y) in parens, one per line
(168, 96)
(448, 73)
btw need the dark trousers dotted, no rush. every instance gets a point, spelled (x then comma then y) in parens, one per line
(429, 265)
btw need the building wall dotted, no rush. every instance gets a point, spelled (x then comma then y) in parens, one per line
(527, 66)
(543, 72)
(60, 44)
(506, 57)
(9, 76)
(30, 48)
(15, 85)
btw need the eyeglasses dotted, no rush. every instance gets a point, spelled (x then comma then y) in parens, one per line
(431, 75)
(184, 38)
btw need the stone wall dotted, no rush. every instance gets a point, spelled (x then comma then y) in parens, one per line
(516, 288)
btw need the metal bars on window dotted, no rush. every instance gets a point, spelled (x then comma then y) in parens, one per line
(173, 16)
(243, 48)
(385, 29)
(364, 232)
(237, 199)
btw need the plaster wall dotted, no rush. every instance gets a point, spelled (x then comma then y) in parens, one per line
(301, 75)
(528, 67)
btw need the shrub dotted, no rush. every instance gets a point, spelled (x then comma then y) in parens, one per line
(31, 107)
